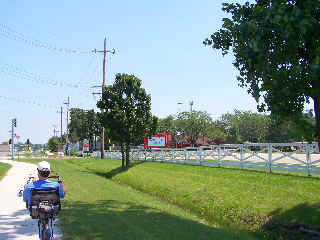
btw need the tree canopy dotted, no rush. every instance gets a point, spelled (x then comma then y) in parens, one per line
(244, 126)
(84, 124)
(193, 124)
(276, 46)
(53, 144)
(127, 113)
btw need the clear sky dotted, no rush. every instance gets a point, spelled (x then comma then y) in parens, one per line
(158, 41)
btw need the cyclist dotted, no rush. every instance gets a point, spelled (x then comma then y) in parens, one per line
(43, 183)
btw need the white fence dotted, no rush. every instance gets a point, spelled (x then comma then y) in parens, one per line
(270, 156)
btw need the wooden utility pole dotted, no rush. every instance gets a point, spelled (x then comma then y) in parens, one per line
(105, 51)
(103, 85)
(61, 125)
(67, 130)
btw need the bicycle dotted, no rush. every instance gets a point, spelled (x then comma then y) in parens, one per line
(45, 205)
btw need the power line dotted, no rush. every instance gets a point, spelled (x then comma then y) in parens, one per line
(27, 101)
(9, 33)
(36, 78)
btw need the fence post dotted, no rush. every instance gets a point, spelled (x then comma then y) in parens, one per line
(308, 158)
(200, 158)
(161, 155)
(153, 153)
(270, 157)
(241, 155)
(185, 156)
(219, 156)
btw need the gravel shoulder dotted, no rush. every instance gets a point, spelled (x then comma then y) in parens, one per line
(15, 221)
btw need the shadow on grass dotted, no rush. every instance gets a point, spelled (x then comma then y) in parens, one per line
(299, 222)
(124, 220)
(115, 171)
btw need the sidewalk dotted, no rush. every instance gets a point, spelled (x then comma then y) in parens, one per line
(15, 221)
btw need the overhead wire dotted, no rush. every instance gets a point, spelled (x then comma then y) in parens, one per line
(20, 73)
(7, 32)
(27, 101)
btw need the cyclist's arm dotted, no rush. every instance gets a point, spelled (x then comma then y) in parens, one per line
(64, 187)
(26, 194)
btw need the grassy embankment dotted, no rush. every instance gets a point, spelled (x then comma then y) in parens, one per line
(4, 169)
(103, 198)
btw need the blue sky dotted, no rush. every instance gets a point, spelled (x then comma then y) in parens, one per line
(158, 41)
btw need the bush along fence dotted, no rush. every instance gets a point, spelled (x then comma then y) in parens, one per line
(298, 157)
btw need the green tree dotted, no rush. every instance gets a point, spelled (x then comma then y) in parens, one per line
(168, 124)
(245, 126)
(216, 132)
(84, 124)
(77, 125)
(276, 46)
(193, 124)
(299, 129)
(53, 144)
(127, 113)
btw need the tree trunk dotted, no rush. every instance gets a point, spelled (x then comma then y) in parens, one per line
(127, 156)
(316, 101)
(122, 156)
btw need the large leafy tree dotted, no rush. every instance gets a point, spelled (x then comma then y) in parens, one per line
(193, 124)
(127, 113)
(287, 130)
(84, 124)
(77, 125)
(169, 124)
(216, 133)
(245, 126)
(276, 46)
(53, 144)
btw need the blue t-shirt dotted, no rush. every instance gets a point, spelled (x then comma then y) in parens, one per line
(41, 185)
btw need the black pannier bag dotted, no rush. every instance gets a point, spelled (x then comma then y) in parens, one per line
(44, 202)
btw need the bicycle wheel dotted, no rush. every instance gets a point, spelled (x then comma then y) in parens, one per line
(45, 231)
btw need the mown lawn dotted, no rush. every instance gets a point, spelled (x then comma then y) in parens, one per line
(3, 169)
(273, 206)
(98, 208)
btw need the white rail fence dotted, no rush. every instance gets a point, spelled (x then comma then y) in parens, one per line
(270, 156)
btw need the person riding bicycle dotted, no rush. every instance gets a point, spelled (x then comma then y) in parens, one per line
(43, 183)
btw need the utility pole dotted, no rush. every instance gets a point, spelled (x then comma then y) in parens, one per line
(191, 104)
(55, 131)
(13, 125)
(105, 51)
(67, 138)
(61, 125)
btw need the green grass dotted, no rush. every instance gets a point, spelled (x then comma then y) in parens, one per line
(251, 201)
(98, 208)
(4, 169)
(24, 154)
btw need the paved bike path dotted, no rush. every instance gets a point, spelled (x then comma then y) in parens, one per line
(15, 221)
